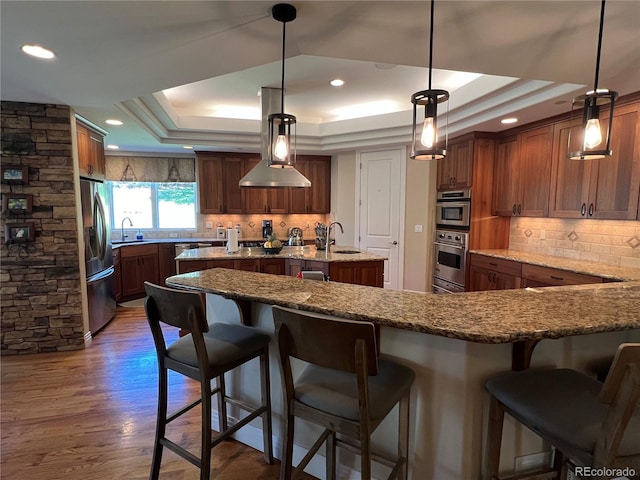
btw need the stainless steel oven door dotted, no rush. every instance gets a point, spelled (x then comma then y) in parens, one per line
(450, 263)
(453, 214)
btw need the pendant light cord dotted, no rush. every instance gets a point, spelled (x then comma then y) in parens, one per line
(431, 43)
(595, 82)
(284, 32)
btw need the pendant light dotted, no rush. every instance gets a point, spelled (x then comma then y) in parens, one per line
(590, 144)
(429, 139)
(282, 127)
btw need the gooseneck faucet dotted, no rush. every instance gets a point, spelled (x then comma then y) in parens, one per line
(122, 235)
(329, 234)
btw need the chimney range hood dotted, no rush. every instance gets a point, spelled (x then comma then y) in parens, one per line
(262, 175)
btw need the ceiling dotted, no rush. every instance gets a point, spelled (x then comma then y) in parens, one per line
(167, 68)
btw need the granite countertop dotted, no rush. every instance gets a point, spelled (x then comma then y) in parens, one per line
(303, 253)
(502, 316)
(609, 272)
(192, 240)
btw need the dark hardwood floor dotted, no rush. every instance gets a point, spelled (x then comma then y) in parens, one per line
(90, 414)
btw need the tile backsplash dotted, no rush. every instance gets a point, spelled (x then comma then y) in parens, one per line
(614, 242)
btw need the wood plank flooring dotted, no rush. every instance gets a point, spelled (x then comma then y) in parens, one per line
(90, 414)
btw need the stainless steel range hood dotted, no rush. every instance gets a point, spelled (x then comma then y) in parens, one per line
(262, 175)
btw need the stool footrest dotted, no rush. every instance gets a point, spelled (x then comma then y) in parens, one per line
(181, 451)
(241, 423)
(546, 474)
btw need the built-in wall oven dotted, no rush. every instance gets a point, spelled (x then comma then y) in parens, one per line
(450, 253)
(453, 209)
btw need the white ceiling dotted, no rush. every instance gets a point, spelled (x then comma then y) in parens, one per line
(115, 59)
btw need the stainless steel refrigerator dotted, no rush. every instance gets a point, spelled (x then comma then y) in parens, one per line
(98, 256)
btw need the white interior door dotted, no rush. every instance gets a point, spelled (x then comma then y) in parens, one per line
(381, 209)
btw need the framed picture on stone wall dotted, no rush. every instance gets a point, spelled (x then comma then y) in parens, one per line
(15, 174)
(19, 232)
(17, 203)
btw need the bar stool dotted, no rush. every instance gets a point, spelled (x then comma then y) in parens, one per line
(593, 425)
(204, 354)
(346, 388)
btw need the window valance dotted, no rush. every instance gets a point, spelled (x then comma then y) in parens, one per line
(150, 169)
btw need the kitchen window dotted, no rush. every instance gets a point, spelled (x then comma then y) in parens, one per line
(154, 205)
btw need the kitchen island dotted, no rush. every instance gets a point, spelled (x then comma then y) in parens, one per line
(453, 342)
(340, 264)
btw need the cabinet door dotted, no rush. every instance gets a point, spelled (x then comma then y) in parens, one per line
(479, 279)
(277, 200)
(319, 172)
(535, 172)
(233, 169)
(455, 170)
(293, 266)
(210, 189)
(166, 261)
(569, 196)
(148, 270)
(505, 281)
(82, 137)
(316, 266)
(613, 193)
(255, 200)
(249, 264)
(97, 168)
(130, 277)
(506, 178)
(273, 266)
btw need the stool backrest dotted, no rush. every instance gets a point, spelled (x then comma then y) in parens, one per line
(328, 342)
(171, 306)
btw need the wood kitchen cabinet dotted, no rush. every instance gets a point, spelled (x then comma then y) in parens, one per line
(605, 188)
(166, 261)
(264, 200)
(273, 266)
(218, 177)
(198, 265)
(523, 170)
(117, 276)
(455, 170)
(369, 273)
(538, 276)
(139, 264)
(489, 273)
(91, 160)
(317, 198)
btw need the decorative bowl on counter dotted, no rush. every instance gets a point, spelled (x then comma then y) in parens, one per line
(272, 250)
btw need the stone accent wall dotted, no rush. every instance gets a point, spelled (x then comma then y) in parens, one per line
(40, 280)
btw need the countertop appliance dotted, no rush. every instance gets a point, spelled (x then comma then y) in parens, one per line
(453, 209)
(97, 253)
(450, 254)
(295, 237)
(267, 228)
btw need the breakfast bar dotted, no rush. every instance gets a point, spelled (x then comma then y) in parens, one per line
(453, 343)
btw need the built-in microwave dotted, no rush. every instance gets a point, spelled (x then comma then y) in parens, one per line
(453, 209)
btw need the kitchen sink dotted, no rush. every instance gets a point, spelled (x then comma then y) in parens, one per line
(347, 251)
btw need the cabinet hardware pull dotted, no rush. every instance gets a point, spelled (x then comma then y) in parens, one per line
(514, 209)
(591, 209)
(556, 278)
(519, 209)
(583, 209)
(493, 264)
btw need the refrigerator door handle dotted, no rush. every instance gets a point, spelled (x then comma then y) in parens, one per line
(101, 230)
(98, 277)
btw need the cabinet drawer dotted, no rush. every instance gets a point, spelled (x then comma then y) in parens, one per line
(554, 276)
(137, 250)
(497, 264)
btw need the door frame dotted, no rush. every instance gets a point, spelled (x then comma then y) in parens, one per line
(401, 203)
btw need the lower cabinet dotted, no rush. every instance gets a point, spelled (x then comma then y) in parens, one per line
(369, 273)
(139, 263)
(489, 273)
(273, 266)
(166, 261)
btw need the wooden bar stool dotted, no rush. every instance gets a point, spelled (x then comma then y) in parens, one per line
(346, 388)
(204, 354)
(592, 425)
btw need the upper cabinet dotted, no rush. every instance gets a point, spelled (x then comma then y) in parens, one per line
(317, 198)
(90, 152)
(523, 170)
(455, 170)
(605, 188)
(219, 193)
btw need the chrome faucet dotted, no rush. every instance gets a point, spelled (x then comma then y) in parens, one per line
(329, 233)
(122, 235)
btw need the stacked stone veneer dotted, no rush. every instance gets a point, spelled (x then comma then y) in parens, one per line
(40, 281)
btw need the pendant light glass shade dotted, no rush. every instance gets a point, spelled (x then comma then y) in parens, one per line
(592, 140)
(429, 135)
(282, 127)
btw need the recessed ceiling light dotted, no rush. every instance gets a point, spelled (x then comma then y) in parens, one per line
(37, 51)
(509, 120)
(113, 121)
(113, 147)
(187, 147)
(337, 82)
